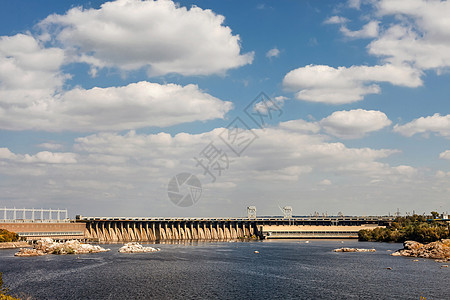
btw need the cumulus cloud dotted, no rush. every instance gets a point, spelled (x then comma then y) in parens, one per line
(270, 105)
(279, 150)
(274, 52)
(51, 146)
(32, 96)
(28, 71)
(277, 158)
(335, 20)
(445, 155)
(356, 4)
(111, 166)
(431, 124)
(300, 125)
(421, 38)
(325, 182)
(160, 36)
(320, 83)
(354, 123)
(136, 105)
(370, 30)
(44, 157)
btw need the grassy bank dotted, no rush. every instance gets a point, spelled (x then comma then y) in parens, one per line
(416, 228)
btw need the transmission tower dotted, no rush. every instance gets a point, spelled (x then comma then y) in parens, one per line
(251, 212)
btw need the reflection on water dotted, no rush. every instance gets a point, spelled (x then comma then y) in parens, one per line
(288, 269)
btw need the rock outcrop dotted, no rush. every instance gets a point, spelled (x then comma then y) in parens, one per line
(353, 250)
(48, 246)
(435, 250)
(136, 248)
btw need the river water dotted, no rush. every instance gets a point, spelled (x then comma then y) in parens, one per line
(283, 269)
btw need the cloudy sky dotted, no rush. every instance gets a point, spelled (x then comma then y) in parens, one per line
(102, 103)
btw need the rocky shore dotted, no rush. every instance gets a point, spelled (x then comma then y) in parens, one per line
(136, 248)
(439, 250)
(353, 250)
(48, 246)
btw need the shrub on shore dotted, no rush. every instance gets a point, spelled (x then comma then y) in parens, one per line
(4, 291)
(415, 228)
(8, 236)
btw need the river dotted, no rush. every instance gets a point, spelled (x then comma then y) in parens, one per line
(283, 269)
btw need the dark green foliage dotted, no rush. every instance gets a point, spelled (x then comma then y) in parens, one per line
(415, 228)
(7, 236)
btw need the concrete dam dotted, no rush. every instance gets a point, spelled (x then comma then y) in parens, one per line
(106, 229)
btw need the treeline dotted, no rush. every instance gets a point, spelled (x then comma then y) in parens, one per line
(415, 228)
(8, 236)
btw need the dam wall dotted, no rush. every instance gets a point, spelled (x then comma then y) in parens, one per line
(105, 229)
(140, 231)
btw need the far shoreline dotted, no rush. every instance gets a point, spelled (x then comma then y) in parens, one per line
(14, 245)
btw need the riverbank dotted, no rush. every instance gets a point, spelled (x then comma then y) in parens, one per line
(13, 245)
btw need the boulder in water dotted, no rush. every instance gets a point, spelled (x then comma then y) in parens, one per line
(48, 246)
(353, 250)
(136, 248)
(435, 250)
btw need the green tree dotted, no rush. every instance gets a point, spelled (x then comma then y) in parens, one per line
(7, 236)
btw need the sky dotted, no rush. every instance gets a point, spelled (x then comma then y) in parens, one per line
(325, 106)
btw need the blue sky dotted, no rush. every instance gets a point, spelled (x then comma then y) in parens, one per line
(102, 103)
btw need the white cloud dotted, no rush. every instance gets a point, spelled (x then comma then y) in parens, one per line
(265, 107)
(407, 171)
(51, 146)
(431, 124)
(274, 52)
(135, 166)
(136, 105)
(420, 34)
(356, 4)
(300, 125)
(28, 71)
(335, 20)
(279, 150)
(370, 30)
(354, 123)
(44, 157)
(320, 83)
(160, 36)
(445, 155)
(32, 96)
(325, 182)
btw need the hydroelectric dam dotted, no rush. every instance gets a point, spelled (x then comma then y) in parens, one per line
(33, 224)
(104, 229)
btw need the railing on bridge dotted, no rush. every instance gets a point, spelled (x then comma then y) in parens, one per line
(33, 215)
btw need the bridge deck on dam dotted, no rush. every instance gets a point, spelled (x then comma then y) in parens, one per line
(118, 229)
